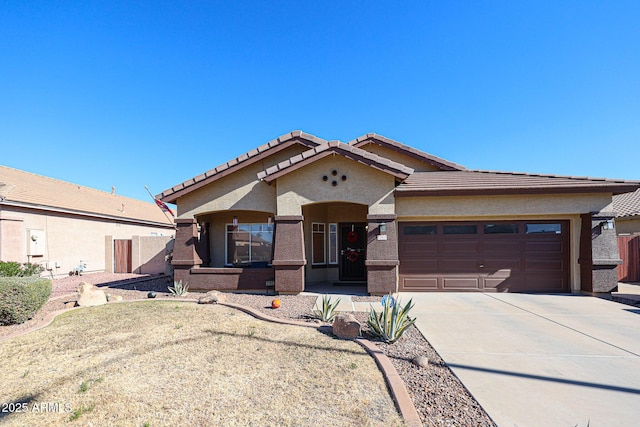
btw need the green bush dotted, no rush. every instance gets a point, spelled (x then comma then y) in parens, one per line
(14, 269)
(21, 298)
(392, 321)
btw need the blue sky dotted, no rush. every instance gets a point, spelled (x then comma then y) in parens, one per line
(137, 93)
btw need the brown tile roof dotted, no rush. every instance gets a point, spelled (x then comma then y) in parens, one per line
(627, 204)
(410, 151)
(20, 188)
(472, 182)
(361, 156)
(257, 154)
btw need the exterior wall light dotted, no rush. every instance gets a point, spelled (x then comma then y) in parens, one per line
(607, 225)
(235, 221)
(383, 227)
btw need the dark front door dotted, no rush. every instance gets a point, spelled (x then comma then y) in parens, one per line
(353, 252)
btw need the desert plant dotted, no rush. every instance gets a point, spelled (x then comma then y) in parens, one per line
(392, 321)
(327, 311)
(21, 297)
(178, 289)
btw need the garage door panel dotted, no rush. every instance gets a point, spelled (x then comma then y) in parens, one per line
(502, 262)
(544, 265)
(461, 283)
(460, 246)
(491, 265)
(421, 265)
(419, 248)
(460, 264)
(420, 283)
(502, 246)
(544, 247)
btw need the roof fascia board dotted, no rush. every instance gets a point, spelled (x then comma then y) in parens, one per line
(194, 183)
(85, 214)
(615, 189)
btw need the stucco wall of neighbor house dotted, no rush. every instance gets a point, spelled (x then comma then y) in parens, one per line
(387, 153)
(12, 236)
(240, 190)
(69, 239)
(364, 185)
(534, 207)
(327, 213)
(628, 225)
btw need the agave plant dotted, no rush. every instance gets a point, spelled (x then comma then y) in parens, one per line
(178, 289)
(392, 321)
(328, 310)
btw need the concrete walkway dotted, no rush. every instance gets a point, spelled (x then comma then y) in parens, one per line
(539, 360)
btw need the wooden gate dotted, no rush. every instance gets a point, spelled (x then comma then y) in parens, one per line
(122, 255)
(629, 247)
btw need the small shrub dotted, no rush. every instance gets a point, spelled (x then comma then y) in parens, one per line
(391, 322)
(178, 289)
(14, 269)
(21, 298)
(327, 312)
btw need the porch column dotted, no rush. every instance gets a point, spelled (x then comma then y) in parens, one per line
(288, 254)
(599, 256)
(185, 255)
(382, 254)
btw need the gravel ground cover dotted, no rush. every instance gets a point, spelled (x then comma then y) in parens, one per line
(438, 395)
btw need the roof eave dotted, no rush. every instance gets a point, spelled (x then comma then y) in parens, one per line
(399, 192)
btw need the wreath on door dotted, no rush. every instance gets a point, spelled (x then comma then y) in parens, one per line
(352, 256)
(352, 237)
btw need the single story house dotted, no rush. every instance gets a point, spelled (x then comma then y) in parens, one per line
(627, 210)
(301, 210)
(69, 228)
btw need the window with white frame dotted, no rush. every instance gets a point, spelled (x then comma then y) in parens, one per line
(318, 239)
(249, 244)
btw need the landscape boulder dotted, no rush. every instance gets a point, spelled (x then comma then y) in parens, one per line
(346, 326)
(89, 295)
(421, 361)
(212, 297)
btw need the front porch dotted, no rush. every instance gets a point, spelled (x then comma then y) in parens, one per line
(332, 244)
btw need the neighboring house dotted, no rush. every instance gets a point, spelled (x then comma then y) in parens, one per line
(301, 210)
(69, 228)
(627, 209)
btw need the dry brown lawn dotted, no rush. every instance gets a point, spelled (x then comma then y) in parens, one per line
(166, 363)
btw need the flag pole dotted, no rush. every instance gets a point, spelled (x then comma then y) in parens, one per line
(165, 214)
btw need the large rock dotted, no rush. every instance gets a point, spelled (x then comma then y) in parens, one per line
(89, 295)
(346, 326)
(212, 297)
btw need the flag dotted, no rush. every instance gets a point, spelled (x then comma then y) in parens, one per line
(162, 205)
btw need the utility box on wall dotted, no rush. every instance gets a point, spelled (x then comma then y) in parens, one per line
(35, 242)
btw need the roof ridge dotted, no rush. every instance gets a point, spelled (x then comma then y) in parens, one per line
(333, 145)
(407, 149)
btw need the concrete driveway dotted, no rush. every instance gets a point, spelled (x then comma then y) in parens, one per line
(539, 360)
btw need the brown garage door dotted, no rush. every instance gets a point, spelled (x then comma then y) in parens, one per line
(504, 256)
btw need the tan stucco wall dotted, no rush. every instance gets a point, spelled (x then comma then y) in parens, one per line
(364, 185)
(67, 239)
(387, 153)
(534, 207)
(240, 190)
(149, 254)
(629, 225)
